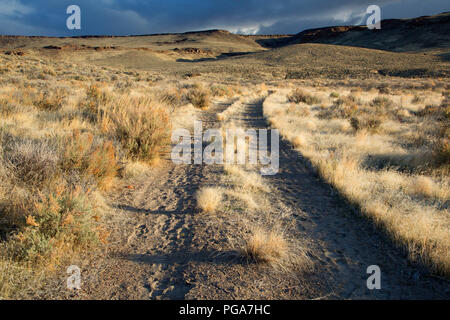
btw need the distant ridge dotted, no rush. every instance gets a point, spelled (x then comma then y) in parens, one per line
(422, 33)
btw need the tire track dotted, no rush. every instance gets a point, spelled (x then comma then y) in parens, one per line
(153, 240)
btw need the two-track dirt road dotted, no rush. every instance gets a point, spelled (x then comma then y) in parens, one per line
(161, 247)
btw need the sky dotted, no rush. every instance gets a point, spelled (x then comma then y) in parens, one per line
(133, 17)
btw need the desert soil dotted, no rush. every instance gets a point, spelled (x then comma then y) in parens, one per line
(162, 247)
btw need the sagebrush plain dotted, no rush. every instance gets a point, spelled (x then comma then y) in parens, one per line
(87, 179)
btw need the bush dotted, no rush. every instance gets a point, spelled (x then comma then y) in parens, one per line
(371, 124)
(62, 221)
(299, 95)
(222, 91)
(336, 111)
(171, 97)
(441, 152)
(6, 108)
(199, 97)
(142, 128)
(31, 163)
(95, 101)
(440, 112)
(354, 122)
(417, 99)
(334, 95)
(90, 159)
(50, 101)
(382, 102)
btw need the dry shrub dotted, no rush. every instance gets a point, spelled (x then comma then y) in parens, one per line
(199, 97)
(341, 111)
(382, 103)
(310, 125)
(265, 247)
(172, 97)
(334, 95)
(298, 95)
(208, 199)
(96, 99)
(440, 112)
(370, 124)
(417, 99)
(302, 112)
(62, 222)
(142, 127)
(90, 159)
(384, 88)
(441, 153)
(346, 101)
(7, 108)
(51, 100)
(222, 91)
(31, 163)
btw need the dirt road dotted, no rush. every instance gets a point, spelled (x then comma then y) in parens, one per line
(161, 247)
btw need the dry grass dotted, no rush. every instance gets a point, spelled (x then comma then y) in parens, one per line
(265, 247)
(90, 158)
(135, 169)
(298, 95)
(142, 127)
(224, 116)
(299, 141)
(209, 199)
(271, 247)
(199, 96)
(247, 202)
(246, 179)
(65, 133)
(395, 168)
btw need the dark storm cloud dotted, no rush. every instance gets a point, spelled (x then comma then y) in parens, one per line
(121, 17)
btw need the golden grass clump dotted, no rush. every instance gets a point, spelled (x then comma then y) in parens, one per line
(299, 141)
(141, 126)
(135, 169)
(265, 247)
(208, 199)
(199, 96)
(423, 186)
